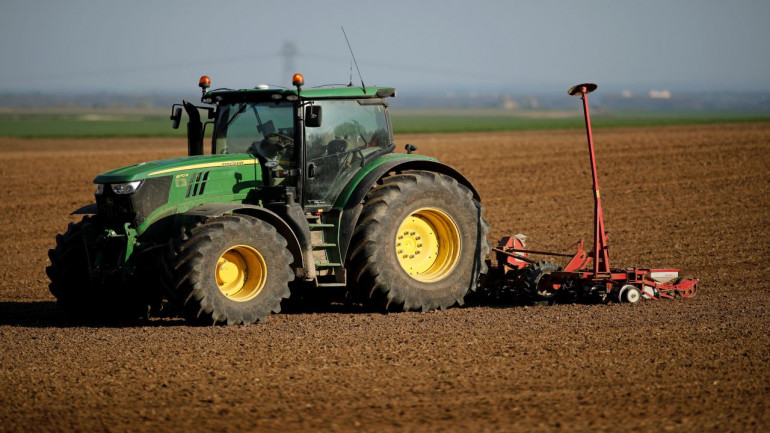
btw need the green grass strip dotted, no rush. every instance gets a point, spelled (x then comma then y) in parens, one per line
(67, 125)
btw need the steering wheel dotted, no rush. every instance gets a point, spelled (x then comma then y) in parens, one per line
(272, 145)
(279, 140)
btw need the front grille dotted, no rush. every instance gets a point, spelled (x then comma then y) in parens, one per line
(115, 208)
(137, 207)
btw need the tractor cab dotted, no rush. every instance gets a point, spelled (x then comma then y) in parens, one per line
(311, 140)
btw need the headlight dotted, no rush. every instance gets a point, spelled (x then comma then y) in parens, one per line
(126, 188)
(99, 189)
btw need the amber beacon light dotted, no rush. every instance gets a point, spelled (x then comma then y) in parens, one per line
(298, 80)
(204, 83)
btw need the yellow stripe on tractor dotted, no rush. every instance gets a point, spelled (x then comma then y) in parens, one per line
(207, 165)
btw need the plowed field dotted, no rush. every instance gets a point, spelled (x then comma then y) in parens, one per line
(696, 198)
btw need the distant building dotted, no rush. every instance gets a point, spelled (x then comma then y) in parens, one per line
(660, 94)
(532, 102)
(508, 103)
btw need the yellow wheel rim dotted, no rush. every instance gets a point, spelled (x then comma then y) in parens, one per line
(241, 273)
(428, 245)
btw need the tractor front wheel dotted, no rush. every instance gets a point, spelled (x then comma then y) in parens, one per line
(88, 295)
(419, 244)
(233, 269)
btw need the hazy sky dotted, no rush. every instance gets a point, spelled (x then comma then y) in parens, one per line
(514, 45)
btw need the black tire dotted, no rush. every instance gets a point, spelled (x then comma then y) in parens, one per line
(87, 298)
(531, 279)
(199, 279)
(382, 280)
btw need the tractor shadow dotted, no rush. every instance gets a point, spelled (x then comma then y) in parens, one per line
(46, 314)
(321, 305)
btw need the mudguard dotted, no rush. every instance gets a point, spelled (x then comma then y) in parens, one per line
(349, 201)
(89, 209)
(218, 209)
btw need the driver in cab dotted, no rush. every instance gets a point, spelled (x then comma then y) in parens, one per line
(276, 150)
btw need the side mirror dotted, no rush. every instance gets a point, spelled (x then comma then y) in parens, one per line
(176, 117)
(313, 116)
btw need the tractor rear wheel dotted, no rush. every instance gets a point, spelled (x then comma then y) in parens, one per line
(420, 243)
(233, 269)
(85, 296)
(534, 284)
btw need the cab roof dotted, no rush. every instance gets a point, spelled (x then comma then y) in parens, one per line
(267, 93)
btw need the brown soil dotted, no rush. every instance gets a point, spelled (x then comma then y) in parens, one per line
(690, 197)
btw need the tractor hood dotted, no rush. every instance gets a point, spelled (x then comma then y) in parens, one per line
(166, 167)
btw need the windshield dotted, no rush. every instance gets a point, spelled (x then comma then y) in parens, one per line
(262, 128)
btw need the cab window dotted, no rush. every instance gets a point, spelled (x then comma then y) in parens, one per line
(349, 132)
(262, 128)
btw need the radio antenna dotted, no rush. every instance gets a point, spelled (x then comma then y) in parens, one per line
(350, 84)
(363, 86)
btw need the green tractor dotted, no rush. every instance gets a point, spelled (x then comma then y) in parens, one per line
(300, 193)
